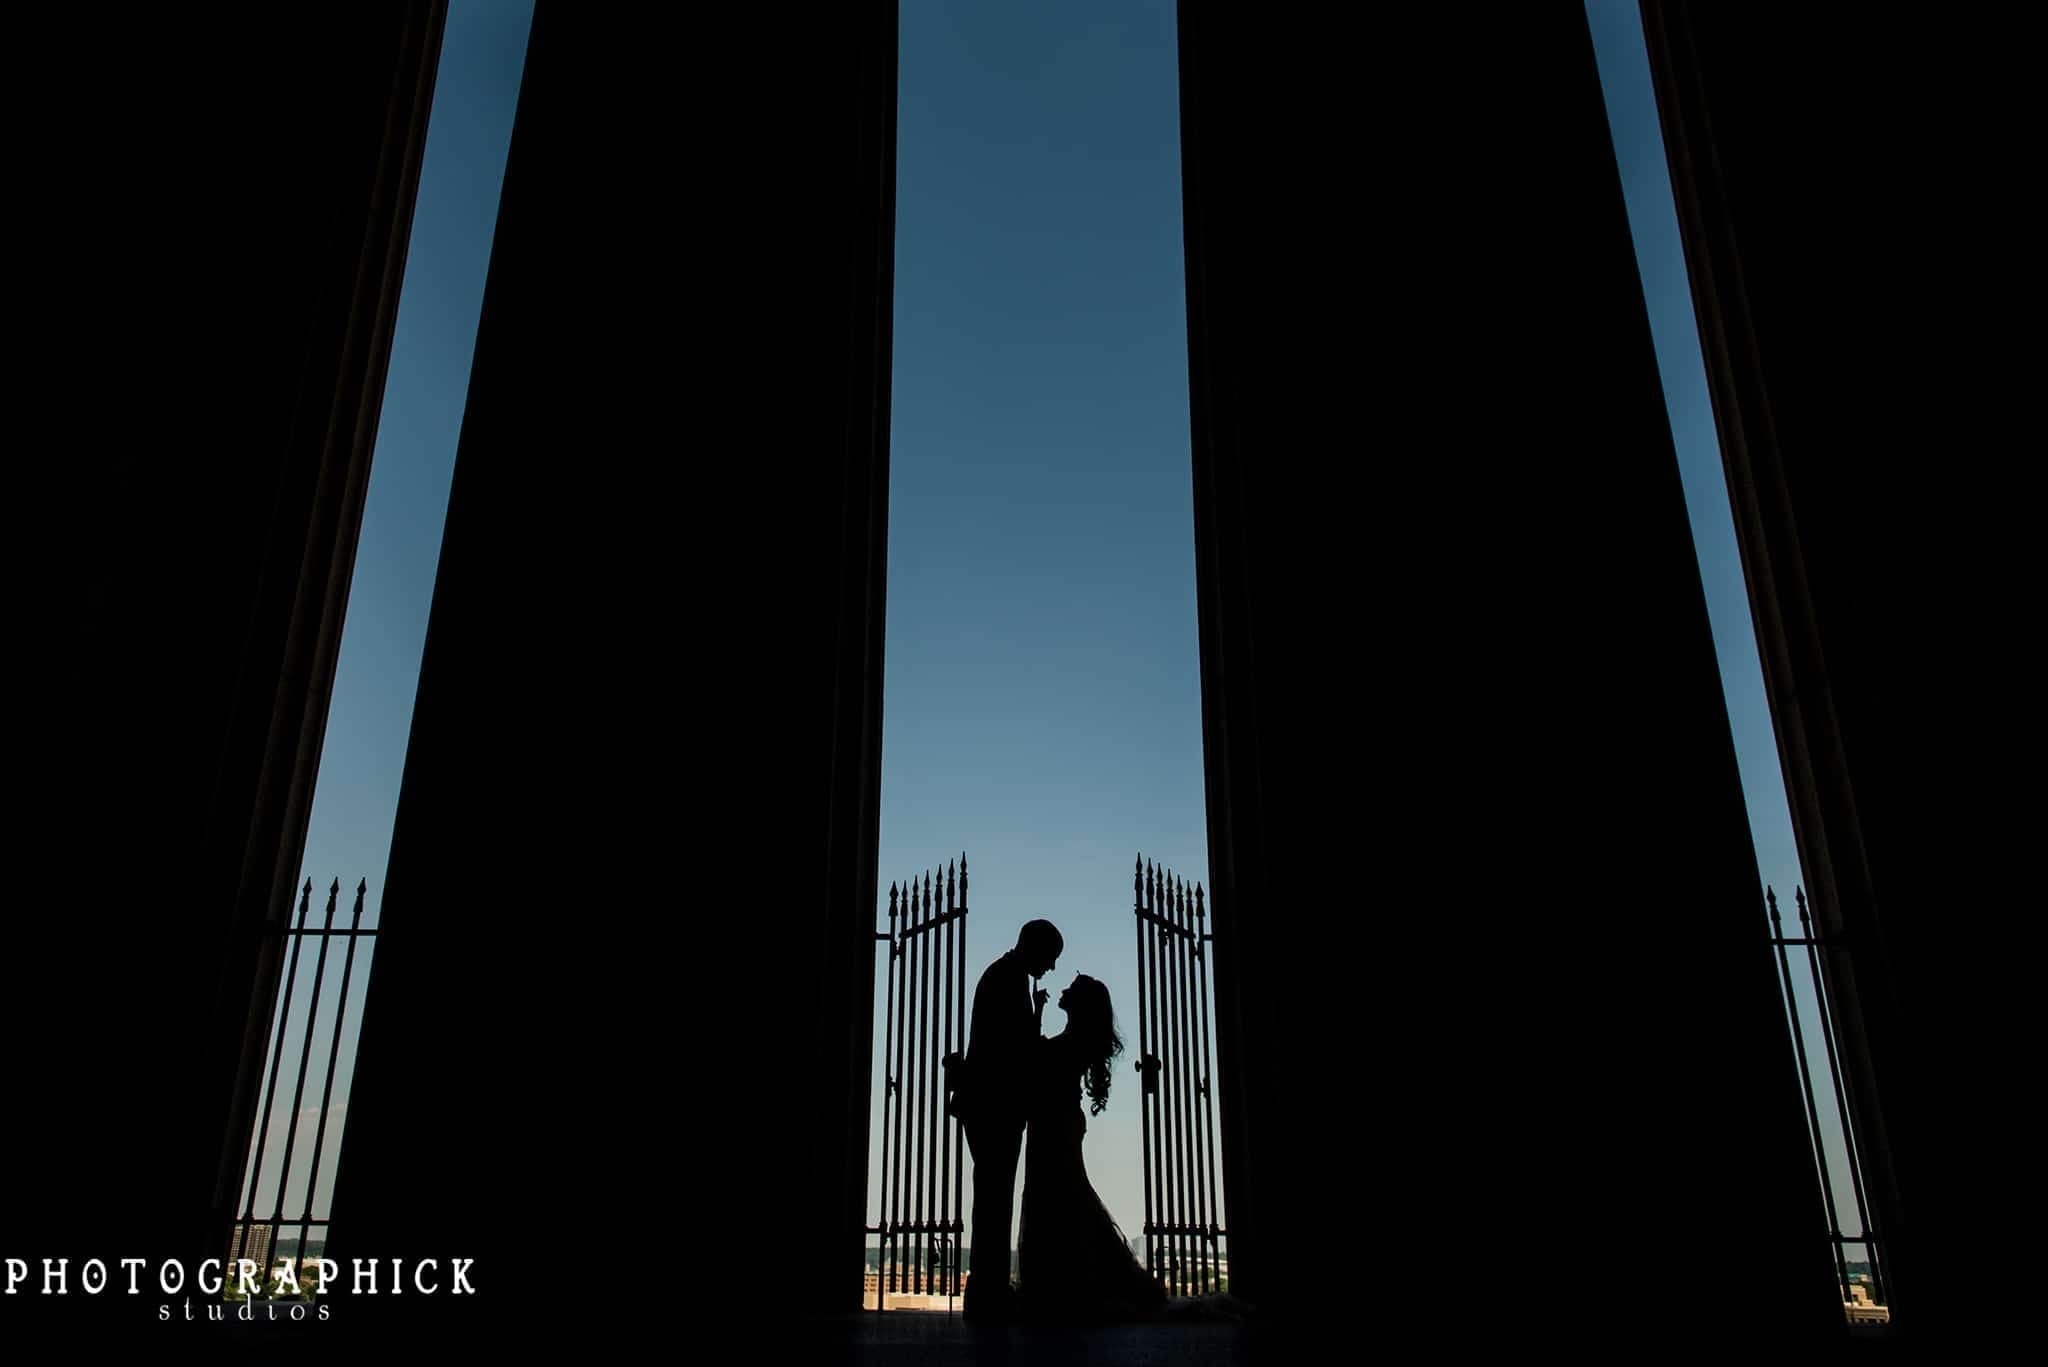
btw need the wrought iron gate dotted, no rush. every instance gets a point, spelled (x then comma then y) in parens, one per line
(1864, 1294)
(263, 1232)
(926, 1023)
(1177, 1117)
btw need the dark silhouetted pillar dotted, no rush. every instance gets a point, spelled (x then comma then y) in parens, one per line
(1840, 182)
(617, 1031)
(1496, 1012)
(221, 205)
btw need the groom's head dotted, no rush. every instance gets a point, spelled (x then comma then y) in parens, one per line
(1038, 947)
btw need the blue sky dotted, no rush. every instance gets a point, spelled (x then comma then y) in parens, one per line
(467, 137)
(1042, 701)
(1042, 704)
(1653, 222)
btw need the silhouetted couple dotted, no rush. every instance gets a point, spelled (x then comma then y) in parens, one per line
(1072, 1260)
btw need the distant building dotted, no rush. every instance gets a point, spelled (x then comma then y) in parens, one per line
(1861, 1309)
(931, 1299)
(262, 1240)
(907, 1278)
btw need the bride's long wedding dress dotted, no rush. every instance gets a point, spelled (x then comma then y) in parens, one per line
(1072, 1260)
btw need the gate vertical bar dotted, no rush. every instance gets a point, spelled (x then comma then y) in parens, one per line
(899, 1087)
(1168, 1077)
(928, 1151)
(1155, 1241)
(1144, 1040)
(348, 964)
(959, 1161)
(299, 1089)
(930, 1103)
(932, 1106)
(942, 1041)
(1197, 1197)
(1166, 1080)
(1149, 1128)
(914, 1084)
(920, 1183)
(1180, 1081)
(1180, 1087)
(945, 1121)
(284, 1015)
(1162, 1048)
(1214, 1204)
(1162, 1045)
(1182, 923)
(1809, 928)
(1198, 1205)
(921, 948)
(291, 1134)
(1806, 1081)
(888, 1087)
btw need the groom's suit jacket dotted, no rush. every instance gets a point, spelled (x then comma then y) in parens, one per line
(1000, 1034)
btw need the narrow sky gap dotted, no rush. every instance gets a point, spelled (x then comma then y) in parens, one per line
(1660, 258)
(369, 719)
(468, 135)
(1042, 690)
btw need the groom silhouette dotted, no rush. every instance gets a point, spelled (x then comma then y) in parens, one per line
(1000, 1036)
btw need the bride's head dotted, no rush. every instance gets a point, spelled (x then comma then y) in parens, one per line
(1091, 1021)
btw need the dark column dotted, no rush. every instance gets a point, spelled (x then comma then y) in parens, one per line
(617, 1029)
(1838, 183)
(221, 208)
(835, 1171)
(1496, 1012)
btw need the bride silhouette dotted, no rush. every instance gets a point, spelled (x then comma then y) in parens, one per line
(1072, 1261)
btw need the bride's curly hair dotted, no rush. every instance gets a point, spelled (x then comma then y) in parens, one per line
(1092, 1021)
